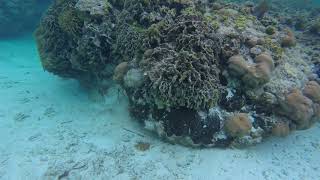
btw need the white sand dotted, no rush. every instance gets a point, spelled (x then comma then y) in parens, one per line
(49, 129)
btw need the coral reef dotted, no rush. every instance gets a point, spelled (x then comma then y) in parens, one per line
(198, 73)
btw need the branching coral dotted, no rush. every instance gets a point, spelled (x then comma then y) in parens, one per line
(183, 70)
(128, 44)
(70, 22)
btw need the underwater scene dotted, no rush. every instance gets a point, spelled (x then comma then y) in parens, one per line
(159, 89)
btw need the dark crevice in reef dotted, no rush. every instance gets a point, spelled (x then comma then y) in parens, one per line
(184, 122)
(235, 103)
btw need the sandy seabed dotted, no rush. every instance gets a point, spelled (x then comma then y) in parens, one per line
(50, 129)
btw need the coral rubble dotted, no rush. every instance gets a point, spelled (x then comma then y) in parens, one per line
(200, 73)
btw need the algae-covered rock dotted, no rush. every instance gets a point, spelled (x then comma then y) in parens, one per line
(73, 44)
(193, 71)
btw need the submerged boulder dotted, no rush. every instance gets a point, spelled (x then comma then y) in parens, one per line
(188, 70)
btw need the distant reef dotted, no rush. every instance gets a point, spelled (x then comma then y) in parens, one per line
(18, 16)
(199, 73)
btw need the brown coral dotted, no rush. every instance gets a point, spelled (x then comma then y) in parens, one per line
(299, 109)
(252, 42)
(316, 109)
(238, 125)
(238, 66)
(266, 59)
(120, 71)
(281, 129)
(312, 91)
(289, 40)
(255, 75)
(261, 72)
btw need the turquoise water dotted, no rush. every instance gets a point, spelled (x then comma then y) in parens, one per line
(22, 18)
(19, 17)
(65, 124)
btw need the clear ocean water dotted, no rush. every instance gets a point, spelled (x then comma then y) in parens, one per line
(128, 89)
